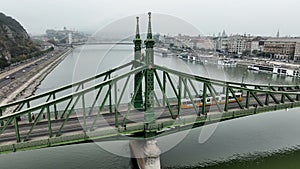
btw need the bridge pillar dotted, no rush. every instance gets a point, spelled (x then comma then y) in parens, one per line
(138, 100)
(149, 118)
(146, 153)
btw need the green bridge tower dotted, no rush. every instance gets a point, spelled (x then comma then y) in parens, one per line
(149, 118)
(138, 100)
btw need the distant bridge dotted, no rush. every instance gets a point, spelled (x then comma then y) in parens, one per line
(102, 43)
(95, 43)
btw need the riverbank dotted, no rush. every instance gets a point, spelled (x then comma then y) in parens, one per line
(213, 58)
(25, 86)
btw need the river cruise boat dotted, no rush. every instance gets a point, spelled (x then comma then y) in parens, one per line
(275, 69)
(226, 62)
(187, 57)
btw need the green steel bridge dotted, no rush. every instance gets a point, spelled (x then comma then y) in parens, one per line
(99, 107)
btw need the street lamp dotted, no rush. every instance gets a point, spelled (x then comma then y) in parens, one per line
(243, 77)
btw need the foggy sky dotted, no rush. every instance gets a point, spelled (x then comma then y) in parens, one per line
(258, 17)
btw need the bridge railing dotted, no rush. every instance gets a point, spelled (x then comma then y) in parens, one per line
(53, 94)
(104, 87)
(253, 93)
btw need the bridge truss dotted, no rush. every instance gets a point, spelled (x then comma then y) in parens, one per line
(106, 101)
(110, 100)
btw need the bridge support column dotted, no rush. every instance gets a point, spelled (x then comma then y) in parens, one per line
(146, 153)
(138, 100)
(149, 117)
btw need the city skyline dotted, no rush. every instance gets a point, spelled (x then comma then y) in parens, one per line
(209, 17)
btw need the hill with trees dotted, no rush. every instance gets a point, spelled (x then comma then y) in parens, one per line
(15, 43)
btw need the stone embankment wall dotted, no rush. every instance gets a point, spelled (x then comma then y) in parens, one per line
(27, 84)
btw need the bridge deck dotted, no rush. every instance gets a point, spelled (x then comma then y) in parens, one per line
(74, 130)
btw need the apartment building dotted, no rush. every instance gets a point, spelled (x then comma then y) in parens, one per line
(283, 48)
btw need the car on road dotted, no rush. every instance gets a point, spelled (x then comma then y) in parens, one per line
(10, 77)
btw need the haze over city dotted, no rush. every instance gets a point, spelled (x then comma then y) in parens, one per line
(208, 16)
(149, 84)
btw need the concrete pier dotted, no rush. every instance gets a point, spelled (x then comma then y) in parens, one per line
(146, 153)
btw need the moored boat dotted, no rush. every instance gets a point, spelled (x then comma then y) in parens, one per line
(275, 69)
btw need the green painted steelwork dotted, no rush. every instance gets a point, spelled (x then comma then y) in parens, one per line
(79, 94)
(213, 93)
(204, 99)
(68, 116)
(172, 84)
(236, 99)
(20, 103)
(179, 96)
(189, 94)
(133, 99)
(267, 100)
(254, 94)
(29, 114)
(125, 86)
(98, 95)
(100, 109)
(116, 106)
(110, 97)
(193, 87)
(226, 99)
(149, 117)
(184, 89)
(138, 102)
(49, 121)
(247, 99)
(17, 129)
(55, 107)
(164, 87)
(106, 90)
(164, 94)
(84, 113)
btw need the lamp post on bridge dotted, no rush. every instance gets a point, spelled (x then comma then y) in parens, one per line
(243, 77)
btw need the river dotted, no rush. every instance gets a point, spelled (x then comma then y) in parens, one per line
(267, 140)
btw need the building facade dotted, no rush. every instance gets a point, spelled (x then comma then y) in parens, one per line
(283, 48)
(238, 44)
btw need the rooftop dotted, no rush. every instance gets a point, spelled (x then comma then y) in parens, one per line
(283, 40)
